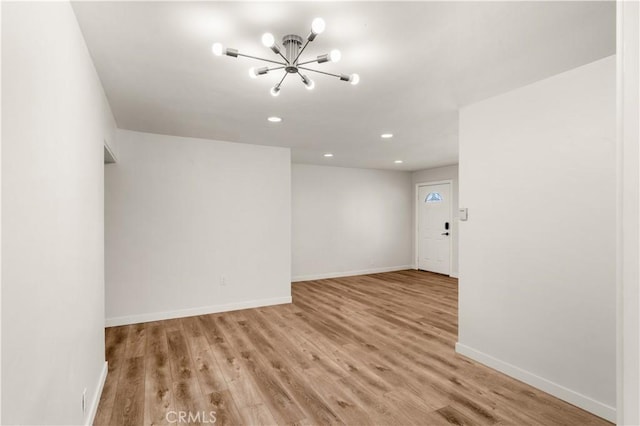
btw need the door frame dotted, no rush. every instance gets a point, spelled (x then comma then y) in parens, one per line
(416, 220)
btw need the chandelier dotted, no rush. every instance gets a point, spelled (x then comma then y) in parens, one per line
(293, 48)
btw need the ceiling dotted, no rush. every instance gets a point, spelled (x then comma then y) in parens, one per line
(419, 63)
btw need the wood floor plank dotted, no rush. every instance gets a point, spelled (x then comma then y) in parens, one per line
(281, 404)
(115, 346)
(285, 347)
(158, 384)
(308, 349)
(226, 412)
(449, 416)
(227, 356)
(207, 371)
(346, 407)
(257, 415)
(128, 406)
(378, 409)
(294, 382)
(245, 392)
(367, 350)
(187, 397)
(136, 341)
(116, 339)
(179, 357)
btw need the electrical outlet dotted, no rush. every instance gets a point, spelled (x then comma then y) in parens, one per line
(84, 401)
(223, 281)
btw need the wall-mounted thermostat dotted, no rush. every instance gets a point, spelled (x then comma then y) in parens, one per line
(462, 214)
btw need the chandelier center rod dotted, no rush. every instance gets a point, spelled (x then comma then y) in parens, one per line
(292, 44)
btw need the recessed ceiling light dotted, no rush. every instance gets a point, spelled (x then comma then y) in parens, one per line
(274, 119)
(386, 135)
(398, 161)
(328, 154)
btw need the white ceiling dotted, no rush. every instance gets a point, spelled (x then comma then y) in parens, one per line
(419, 63)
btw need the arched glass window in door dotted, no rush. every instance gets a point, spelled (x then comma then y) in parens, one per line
(433, 197)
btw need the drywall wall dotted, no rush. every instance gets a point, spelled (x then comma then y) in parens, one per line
(0, 228)
(55, 118)
(195, 226)
(349, 221)
(435, 175)
(0, 231)
(538, 253)
(628, 52)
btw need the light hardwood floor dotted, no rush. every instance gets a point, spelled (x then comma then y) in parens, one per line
(375, 349)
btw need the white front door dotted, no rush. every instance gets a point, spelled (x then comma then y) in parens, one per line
(434, 228)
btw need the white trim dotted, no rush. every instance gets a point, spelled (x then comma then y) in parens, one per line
(97, 394)
(416, 213)
(351, 273)
(628, 229)
(202, 310)
(619, 213)
(454, 275)
(591, 405)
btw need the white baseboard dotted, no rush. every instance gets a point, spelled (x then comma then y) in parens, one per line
(202, 310)
(350, 273)
(591, 405)
(452, 274)
(93, 409)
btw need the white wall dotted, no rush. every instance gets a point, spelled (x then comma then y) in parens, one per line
(628, 45)
(183, 213)
(55, 118)
(0, 230)
(538, 253)
(434, 175)
(349, 221)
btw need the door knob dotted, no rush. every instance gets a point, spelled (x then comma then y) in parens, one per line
(445, 233)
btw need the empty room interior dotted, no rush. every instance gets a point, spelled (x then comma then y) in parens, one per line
(314, 213)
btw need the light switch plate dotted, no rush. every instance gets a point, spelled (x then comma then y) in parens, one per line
(462, 214)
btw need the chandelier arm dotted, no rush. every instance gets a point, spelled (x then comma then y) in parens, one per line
(275, 68)
(284, 57)
(301, 50)
(282, 79)
(262, 59)
(318, 71)
(307, 62)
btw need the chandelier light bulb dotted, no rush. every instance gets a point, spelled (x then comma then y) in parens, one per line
(318, 26)
(255, 72)
(335, 55)
(354, 79)
(308, 83)
(268, 40)
(275, 91)
(217, 49)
